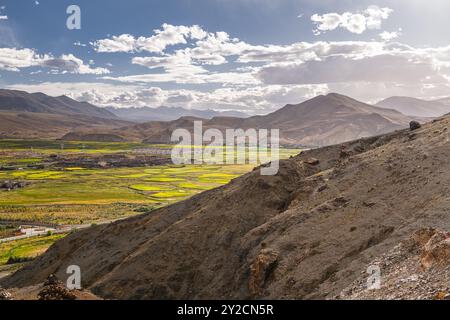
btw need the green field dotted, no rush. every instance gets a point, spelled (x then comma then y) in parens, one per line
(76, 195)
(25, 249)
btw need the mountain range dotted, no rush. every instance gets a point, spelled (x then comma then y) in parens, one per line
(146, 114)
(37, 115)
(323, 120)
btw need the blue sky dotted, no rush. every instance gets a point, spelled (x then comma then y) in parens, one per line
(249, 55)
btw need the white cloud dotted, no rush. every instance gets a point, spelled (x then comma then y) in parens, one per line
(375, 16)
(180, 62)
(380, 68)
(389, 36)
(79, 44)
(13, 59)
(68, 63)
(169, 35)
(371, 18)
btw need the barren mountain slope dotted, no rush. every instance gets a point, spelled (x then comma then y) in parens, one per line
(52, 126)
(308, 232)
(21, 101)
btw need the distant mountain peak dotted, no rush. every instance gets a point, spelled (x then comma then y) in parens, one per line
(415, 106)
(165, 113)
(38, 102)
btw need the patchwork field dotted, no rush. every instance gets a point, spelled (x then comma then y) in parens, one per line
(88, 195)
(66, 194)
(81, 183)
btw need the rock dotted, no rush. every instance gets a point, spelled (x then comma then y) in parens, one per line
(322, 188)
(414, 125)
(436, 251)
(261, 269)
(5, 295)
(312, 161)
(55, 290)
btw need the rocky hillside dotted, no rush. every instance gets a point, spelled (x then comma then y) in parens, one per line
(309, 232)
(418, 268)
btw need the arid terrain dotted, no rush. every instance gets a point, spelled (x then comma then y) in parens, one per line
(309, 232)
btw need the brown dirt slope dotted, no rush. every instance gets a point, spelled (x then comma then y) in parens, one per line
(307, 232)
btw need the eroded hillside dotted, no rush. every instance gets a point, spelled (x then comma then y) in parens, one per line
(308, 232)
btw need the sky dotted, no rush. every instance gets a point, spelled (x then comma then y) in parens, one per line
(253, 56)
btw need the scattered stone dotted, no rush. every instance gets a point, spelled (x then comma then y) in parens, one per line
(344, 154)
(368, 204)
(417, 268)
(5, 295)
(414, 125)
(312, 161)
(260, 270)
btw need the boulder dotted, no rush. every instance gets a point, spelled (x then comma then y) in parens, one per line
(414, 125)
(436, 252)
(261, 269)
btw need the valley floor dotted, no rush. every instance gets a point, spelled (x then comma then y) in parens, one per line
(69, 185)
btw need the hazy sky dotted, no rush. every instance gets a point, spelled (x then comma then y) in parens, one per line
(249, 55)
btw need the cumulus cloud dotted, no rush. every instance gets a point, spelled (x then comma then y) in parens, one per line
(371, 18)
(12, 59)
(386, 67)
(169, 35)
(68, 63)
